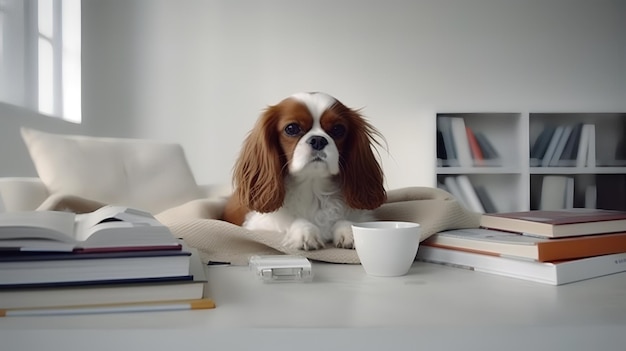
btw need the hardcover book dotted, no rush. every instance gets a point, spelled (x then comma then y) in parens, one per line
(502, 243)
(557, 223)
(45, 267)
(553, 273)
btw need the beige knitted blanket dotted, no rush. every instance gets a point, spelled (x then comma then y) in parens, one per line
(197, 223)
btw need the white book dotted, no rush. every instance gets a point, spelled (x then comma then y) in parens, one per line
(461, 142)
(469, 193)
(560, 146)
(547, 157)
(553, 190)
(591, 150)
(455, 189)
(591, 196)
(583, 146)
(569, 193)
(552, 273)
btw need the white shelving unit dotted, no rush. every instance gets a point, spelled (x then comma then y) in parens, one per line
(513, 185)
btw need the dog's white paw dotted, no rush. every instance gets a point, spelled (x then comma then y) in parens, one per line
(303, 235)
(342, 235)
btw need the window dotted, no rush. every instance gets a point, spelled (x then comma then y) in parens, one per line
(40, 56)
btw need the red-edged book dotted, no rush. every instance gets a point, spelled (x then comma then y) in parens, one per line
(557, 223)
(477, 153)
(507, 244)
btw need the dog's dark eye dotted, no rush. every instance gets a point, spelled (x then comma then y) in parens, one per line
(337, 131)
(292, 129)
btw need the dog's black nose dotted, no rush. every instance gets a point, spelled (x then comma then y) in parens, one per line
(317, 142)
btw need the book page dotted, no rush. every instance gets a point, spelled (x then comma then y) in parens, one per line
(52, 225)
(109, 217)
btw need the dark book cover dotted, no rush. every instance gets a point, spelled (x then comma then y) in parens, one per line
(441, 147)
(485, 199)
(540, 146)
(570, 152)
(489, 151)
(97, 283)
(26, 256)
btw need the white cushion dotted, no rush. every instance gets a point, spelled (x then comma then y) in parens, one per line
(144, 174)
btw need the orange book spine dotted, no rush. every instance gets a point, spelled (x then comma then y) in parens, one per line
(477, 153)
(579, 247)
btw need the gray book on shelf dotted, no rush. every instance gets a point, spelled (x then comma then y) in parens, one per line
(547, 157)
(489, 151)
(540, 146)
(485, 199)
(570, 152)
(554, 161)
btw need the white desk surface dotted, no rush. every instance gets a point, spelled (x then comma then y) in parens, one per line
(433, 307)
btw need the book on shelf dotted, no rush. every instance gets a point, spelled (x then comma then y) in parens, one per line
(472, 198)
(453, 187)
(477, 153)
(560, 146)
(109, 227)
(516, 245)
(469, 193)
(591, 146)
(58, 294)
(553, 273)
(564, 146)
(490, 154)
(569, 193)
(539, 147)
(557, 223)
(552, 145)
(485, 199)
(461, 143)
(24, 267)
(591, 197)
(444, 125)
(442, 155)
(557, 192)
(570, 151)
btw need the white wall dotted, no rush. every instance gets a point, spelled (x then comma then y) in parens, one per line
(199, 72)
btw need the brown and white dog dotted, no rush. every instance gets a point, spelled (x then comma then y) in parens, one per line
(307, 169)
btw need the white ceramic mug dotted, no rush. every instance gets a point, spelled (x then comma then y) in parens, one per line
(386, 248)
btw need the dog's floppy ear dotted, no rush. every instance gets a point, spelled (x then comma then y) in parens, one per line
(259, 171)
(362, 177)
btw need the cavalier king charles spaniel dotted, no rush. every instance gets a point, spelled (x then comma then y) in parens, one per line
(307, 169)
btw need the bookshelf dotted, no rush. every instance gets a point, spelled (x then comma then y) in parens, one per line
(514, 181)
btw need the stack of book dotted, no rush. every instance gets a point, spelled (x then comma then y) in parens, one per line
(552, 247)
(113, 259)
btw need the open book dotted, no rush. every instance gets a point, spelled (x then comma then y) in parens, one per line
(108, 228)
